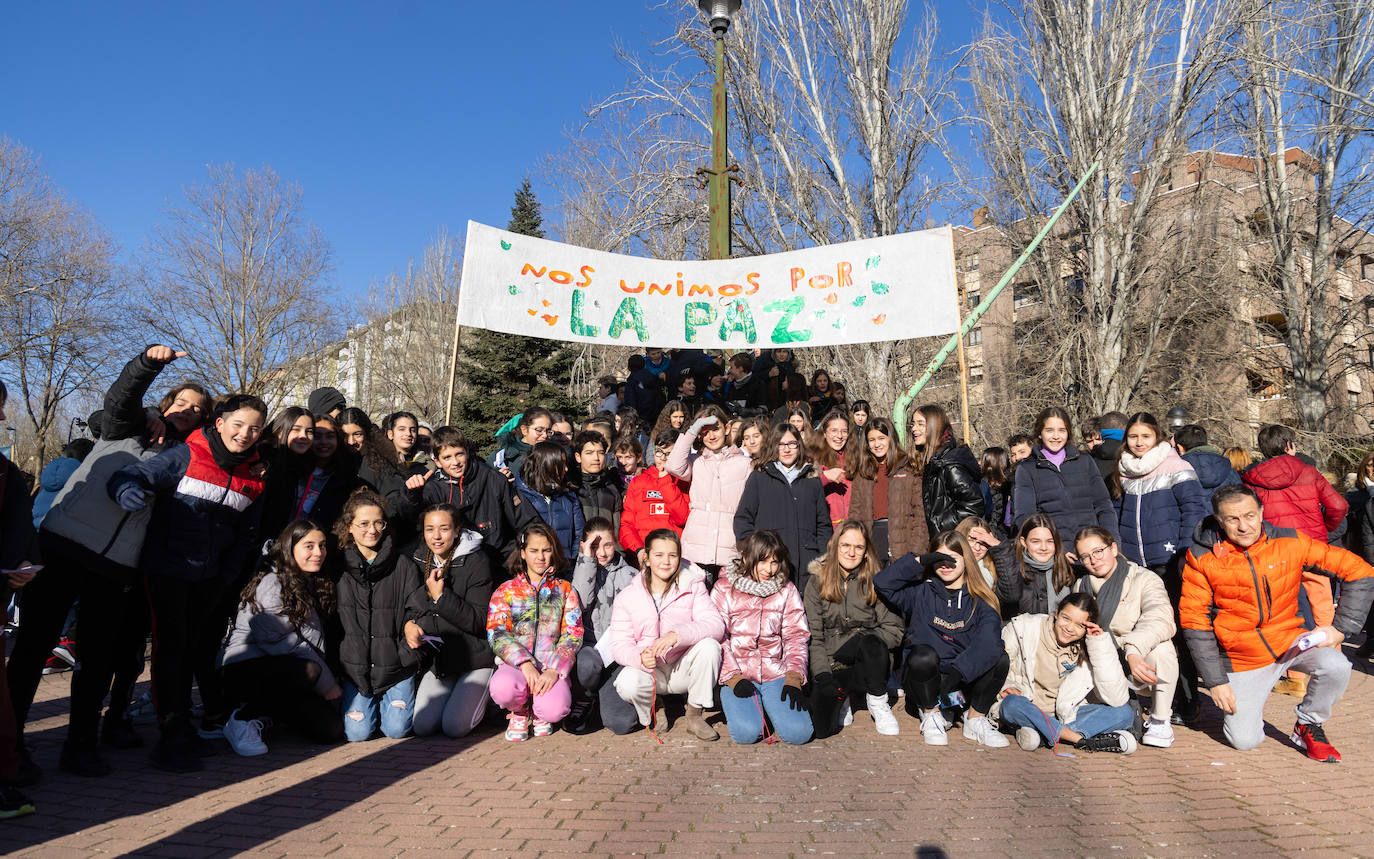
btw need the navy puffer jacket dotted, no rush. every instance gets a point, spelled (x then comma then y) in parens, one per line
(562, 513)
(965, 631)
(1073, 495)
(1159, 510)
(1213, 470)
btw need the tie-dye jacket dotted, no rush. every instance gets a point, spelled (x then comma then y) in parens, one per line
(543, 624)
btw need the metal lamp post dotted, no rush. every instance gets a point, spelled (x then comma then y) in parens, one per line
(718, 15)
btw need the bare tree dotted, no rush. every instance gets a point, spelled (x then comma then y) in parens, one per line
(409, 331)
(837, 114)
(59, 301)
(1304, 75)
(238, 280)
(1067, 85)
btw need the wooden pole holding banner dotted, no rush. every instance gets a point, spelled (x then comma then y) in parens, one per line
(963, 360)
(899, 409)
(452, 373)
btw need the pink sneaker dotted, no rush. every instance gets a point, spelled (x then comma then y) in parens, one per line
(517, 727)
(542, 728)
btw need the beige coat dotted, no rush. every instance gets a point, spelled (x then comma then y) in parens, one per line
(1098, 673)
(1144, 618)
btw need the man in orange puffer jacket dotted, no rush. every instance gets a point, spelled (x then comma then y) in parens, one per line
(1239, 612)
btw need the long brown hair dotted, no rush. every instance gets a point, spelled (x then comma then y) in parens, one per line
(516, 562)
(938, 431)
(760, 459)
(865, 464)
(301, 592)
(666, 415)
(830, 575)
(1063, 573)
(759, 547)
(1053, 412)
(973, 577)
(769, 453)
(821, 454)
(1145, 419)
(362, 497)
(712, 411)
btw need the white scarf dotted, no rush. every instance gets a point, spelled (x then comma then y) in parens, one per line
(1139, 466)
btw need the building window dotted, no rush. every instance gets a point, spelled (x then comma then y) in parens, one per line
(975, 337)
(975, 375)
(1366, 267)
(974, 298)
(1025, 294)
(1263, 389)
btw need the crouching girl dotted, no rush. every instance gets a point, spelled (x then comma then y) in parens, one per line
(766, 635)
(1134, 610)
(534, 625)
(666, 633)
(955, 654)
(273, 659)
(1057, 662)
(451, 610)
(380, 647)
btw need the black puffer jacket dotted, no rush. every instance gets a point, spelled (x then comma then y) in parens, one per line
(796, 510)
(487, 501)
(950, 487)
(1359, 533)
(600, 495)
(459, 616)
(372, 607)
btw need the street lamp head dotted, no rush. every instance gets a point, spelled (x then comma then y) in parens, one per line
(718, 14)
(1176, 417)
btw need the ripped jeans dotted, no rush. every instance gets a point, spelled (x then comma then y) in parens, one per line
(393, 708)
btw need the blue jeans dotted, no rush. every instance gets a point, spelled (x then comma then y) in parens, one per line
(1091, 720)
(744, 719)
(394, 708)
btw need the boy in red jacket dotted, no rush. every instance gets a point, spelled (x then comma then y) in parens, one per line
(1295, 495)
(654, 499)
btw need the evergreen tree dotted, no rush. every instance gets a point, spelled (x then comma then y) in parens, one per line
(501, 375)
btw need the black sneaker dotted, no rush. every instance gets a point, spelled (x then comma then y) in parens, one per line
(30, 773)
(175, 750)
(583, 718)
(117, 732)
(1137, 721)
(13, 803)
(1120, 742)
(212, 726)
(83, 759)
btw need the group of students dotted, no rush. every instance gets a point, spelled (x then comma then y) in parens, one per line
(336, 577)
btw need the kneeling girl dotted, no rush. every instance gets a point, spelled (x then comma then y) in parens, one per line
(766, 635)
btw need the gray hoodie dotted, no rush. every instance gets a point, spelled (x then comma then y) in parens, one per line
(596, 588)
(268, 632)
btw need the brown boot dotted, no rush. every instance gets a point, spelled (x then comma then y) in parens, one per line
(696, 724)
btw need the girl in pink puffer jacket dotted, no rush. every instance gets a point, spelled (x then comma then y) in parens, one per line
(766, 640)
(666, 633)
(717, 475)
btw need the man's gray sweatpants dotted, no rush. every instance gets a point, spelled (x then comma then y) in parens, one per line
(1328, 672)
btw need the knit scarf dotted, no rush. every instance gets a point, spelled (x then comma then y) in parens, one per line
(1139, 466)
(223, 456)
(1046, 569)
(752, 586)
(1108, 595)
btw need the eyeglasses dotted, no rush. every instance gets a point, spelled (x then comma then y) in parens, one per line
(788, 445)
(1096, 554)
(369, 526)
(539, 431)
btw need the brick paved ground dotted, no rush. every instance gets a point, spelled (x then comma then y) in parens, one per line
(855, 794)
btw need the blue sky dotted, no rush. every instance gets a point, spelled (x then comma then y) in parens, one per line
(396, 118)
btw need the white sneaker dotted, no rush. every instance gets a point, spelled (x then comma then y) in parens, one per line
(983, 732)
(1027, 738)
(933, 728)
(1158, 734)
(245, 736)
(883, 720)
(846, 713)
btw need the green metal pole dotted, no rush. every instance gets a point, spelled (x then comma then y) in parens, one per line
(720, 179)
(899, 409)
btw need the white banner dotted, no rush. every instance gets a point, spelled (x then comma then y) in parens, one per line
(888, 288)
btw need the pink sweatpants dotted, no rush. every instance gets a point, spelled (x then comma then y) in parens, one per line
(510, 691)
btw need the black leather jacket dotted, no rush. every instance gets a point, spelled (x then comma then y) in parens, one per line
(950, 487)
